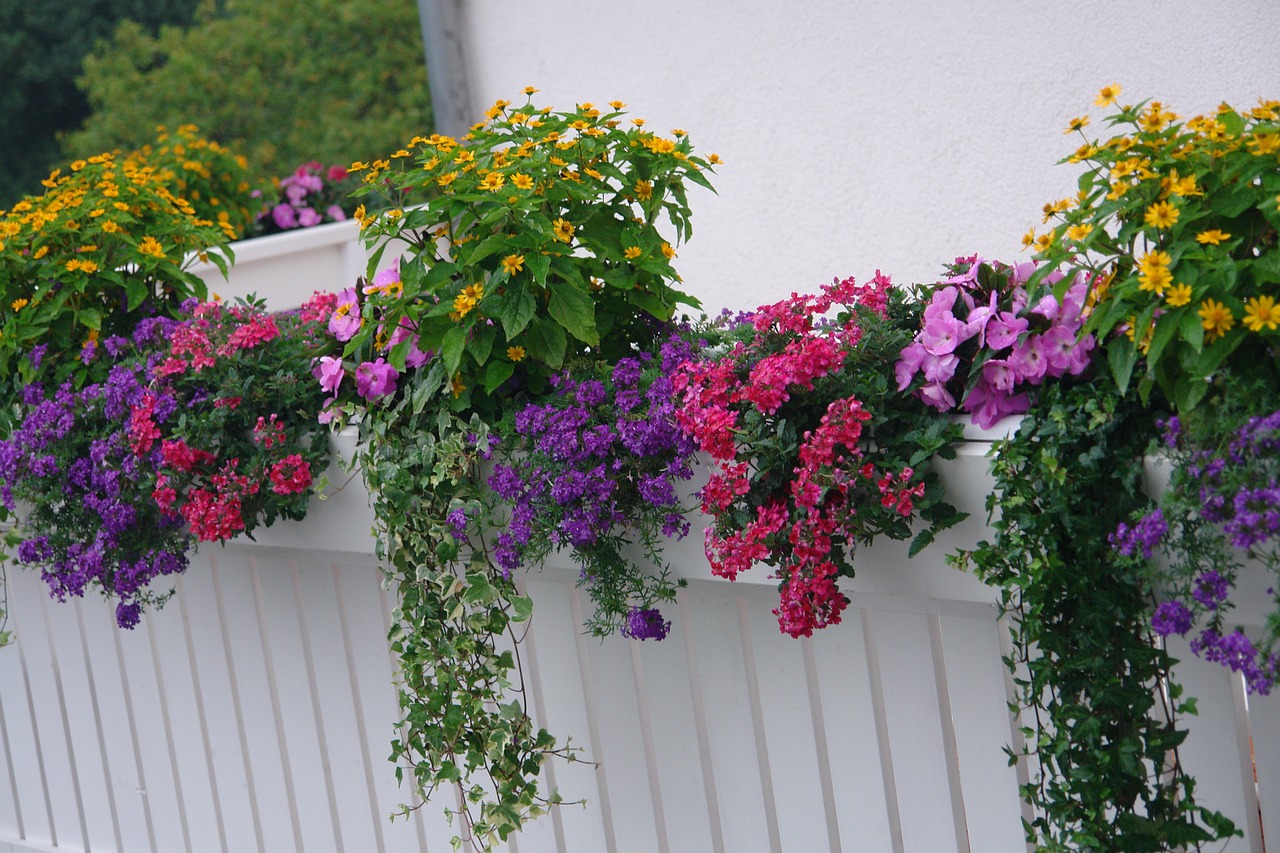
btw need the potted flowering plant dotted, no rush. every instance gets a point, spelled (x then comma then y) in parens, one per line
(312, 195)
(540, 245)
(199, 429)
(110, 240)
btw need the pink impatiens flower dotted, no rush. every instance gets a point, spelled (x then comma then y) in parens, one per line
(329, 371)
(375, 379)
(345, 321)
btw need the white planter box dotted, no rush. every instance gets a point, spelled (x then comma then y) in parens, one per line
(255, 711)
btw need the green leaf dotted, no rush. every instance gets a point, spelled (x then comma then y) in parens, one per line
(522, 606)
(136, 292)
(514, 309)
(482, 337)
(1121, 357)
(91, 318)
(547, 342)
(575, 311)
(486, 247)
(451, 347)
(538, 264)
(497, 373)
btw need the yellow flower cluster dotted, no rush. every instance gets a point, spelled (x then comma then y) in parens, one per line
(466, 300)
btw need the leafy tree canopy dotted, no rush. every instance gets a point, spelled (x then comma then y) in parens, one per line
(42, 46)
(282, 82)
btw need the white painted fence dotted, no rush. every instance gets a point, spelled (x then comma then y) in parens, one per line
(254, 713)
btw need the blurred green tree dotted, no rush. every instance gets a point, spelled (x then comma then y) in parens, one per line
(42, 46)
(282, 82)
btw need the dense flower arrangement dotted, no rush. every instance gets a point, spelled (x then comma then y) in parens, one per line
(203, 428)
(540, 244)
(1176, 226)
(110, 240)
(983, 344)
(540, 237)
(312, 195)
(1222, 505)
(596, 469)
(533, 315)
(781, 404)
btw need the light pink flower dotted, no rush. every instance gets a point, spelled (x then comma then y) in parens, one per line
(345, 321)
(329, 371)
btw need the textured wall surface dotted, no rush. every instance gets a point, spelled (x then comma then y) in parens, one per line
(860, 134)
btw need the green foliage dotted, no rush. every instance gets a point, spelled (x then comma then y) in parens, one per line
(283, 82)
(109, 241)
(42, 46)
(1103, 748)
(1176, 223)
(538, 242)
(456, 629)
(539, 239)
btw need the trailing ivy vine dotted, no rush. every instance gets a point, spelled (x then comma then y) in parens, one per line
(1100, 711)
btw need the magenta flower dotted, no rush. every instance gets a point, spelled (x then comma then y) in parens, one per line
(345, 321)
(335, 213)
(1003, 331)
(329, 371)
(308, 217)
(285, 216)
(375, 379)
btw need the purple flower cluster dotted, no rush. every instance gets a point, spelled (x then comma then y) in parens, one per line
(1171, 617)
(1238, 652)
(1143, 537)
(646, 623)
(596, 464)
(1006, 343)
(1223, 494)
(93, 522)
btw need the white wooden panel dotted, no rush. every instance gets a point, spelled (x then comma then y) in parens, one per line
(130, 818)
(297, 708)
(368, 610)
(1264, 720)
(359, 819)
(787, 729)
(22, 745)
(915, 730)
(10, 813)
(623, 753)
(61, 773)
(568, 710)
(857, 780)
(976, 686)
(661, 672)
(218, 712)
(152, 731)
(1211, 751)
(734, 751)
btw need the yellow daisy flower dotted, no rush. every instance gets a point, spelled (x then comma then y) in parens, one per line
(1216, 318)
(516, 353)
(1107, 95)
(513, 264)
(1261, 311)
(1178, 295)
(631, 252)
(1213, 236)
(1162, 214)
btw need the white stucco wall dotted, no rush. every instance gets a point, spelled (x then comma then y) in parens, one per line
(860, 134)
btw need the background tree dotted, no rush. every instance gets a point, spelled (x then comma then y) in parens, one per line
(42, 46)
(282, 82)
